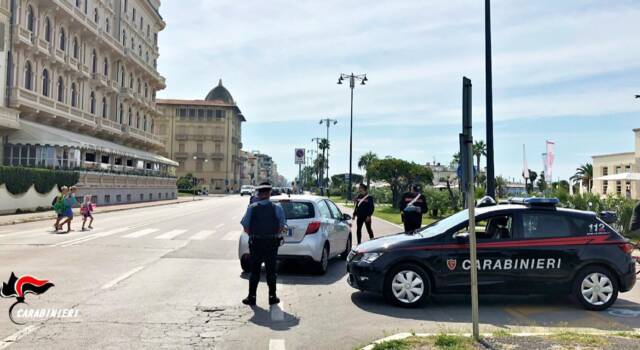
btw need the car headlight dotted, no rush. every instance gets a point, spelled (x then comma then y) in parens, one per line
(370, 257)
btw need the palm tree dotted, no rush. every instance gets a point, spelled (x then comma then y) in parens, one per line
(479, 150)
(324, 146)
(365, 161)
(456, 158)
(584, 174)
(501, 186)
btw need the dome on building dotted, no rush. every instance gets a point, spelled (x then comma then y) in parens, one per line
(220, 93)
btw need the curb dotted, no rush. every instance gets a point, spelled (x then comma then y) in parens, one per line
(105, 210)
(405, 335)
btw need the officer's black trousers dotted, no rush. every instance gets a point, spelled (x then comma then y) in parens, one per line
(359, 222)
(263, 251)
(411, 221)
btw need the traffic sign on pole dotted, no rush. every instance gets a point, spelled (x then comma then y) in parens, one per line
(299, 155)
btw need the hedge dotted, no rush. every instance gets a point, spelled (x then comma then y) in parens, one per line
(18, 180)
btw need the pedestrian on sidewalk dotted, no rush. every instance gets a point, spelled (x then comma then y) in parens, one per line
(85, 209)
(412, 206)
(264, 221)
(364, 208)
(634, 225)
(58, 206)
(69, 202)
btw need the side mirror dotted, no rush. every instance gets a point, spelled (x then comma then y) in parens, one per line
(462, 237)
(346, 217)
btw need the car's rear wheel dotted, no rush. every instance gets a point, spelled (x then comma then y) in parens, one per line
(406, 285)
(245, 263)
(596, 288)
(347, 249)
(323, 265)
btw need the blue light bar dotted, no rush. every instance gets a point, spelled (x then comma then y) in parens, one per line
(534, 201)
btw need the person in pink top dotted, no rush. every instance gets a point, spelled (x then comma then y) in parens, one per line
(85, 209)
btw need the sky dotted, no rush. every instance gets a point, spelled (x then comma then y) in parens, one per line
(565, 71)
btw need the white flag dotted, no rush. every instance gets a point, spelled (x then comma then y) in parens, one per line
(548, 174)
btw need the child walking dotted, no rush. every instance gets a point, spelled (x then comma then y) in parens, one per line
(85, 209)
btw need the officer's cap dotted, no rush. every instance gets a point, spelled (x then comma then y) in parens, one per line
(263, 186)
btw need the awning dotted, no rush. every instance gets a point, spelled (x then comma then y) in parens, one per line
(620, 177)
(37, 134)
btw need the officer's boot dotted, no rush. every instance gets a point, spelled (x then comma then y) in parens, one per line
(250, 300)
(273, 299)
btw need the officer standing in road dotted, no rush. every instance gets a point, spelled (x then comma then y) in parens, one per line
(412, 206)
(363, 210)
(263, 221)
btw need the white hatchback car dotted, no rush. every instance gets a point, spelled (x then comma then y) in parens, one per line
(318, 231)
(246, 189)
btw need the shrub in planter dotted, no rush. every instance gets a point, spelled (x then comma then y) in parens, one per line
(18, 180)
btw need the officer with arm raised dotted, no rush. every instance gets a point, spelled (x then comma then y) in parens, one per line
(412, 206)
(263, 221)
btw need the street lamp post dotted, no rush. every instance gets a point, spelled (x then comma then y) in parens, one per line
(491, 181)
(317, 141)
(328, 122)
(362, 78)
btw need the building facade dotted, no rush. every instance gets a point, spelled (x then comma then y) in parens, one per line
(205, 138)
(80, 79)
(609, 164)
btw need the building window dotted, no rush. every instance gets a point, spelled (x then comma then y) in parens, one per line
(199, 164)
(141, 196)
(130, 117)
(122, 77)
(121, 114)
(144, 123)
(147, 57)
(126, 6)
(141, 22)
(137, 120)
(182, 112)
(28, 76)
(618, 187)
(74, 95)
(78, 3)
(201, 114)
(124, 37)
(140, 50)
(47, 29)
(96, 16)
(104, 107)
(92, 99)
(106, 68)
(139, 85)
(63, 39)
(128, 197)
(605, 171)
(134, 14)
(218, 147)
(152, 126)
(118, 198)
(107, 26)
(181, 147)
(199, 147)
(192, 113)
(219, 114)
(107, 198)
(94, 62)
(76, 49)
(148, 30)
(131, 81)
(146, 90)
(30, 18)
(45, 82)
(60, 90)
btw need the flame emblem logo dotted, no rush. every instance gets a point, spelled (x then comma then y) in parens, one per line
(19, 287)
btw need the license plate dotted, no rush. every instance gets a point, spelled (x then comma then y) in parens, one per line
(290, 232)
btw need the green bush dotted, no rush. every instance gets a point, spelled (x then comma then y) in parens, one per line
(18, 180)
(382, 194)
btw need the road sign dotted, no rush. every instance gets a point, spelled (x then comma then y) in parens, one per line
(300, 155)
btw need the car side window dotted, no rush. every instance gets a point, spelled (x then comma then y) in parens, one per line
(325, 213)
(546, 225)
(493, 227)
(335, 211)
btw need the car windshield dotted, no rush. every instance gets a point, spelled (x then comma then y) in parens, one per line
(445, 224)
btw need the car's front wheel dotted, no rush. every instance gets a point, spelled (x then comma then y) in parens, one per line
(406, 285)
(596, 288)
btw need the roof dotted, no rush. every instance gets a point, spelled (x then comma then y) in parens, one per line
(499, 207)
(299, 197)
(614, 154)
(38, 134)
(214, 103)
(220, 93)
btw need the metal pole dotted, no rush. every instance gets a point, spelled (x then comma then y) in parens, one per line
(351, 85)
(327, 162)
(491, 182)
(468, 136)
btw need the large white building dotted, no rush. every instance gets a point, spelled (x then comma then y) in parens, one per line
(79, 79)
(610, 164)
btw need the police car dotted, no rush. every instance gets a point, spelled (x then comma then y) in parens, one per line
(525, 247)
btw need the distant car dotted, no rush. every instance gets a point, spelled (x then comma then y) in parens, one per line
(526, 247)
(317, 232)
(246, 189)
(276, 191)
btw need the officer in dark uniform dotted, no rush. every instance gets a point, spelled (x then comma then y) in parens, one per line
(412, 206)
(363, 210)
(634, 225)
(264, 221)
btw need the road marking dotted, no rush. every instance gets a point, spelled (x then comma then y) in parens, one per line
(201, 235)
(77, 241)
(219, 225)
(141, 233)
(276, 344)
(231, 236)
(17, 335)
(171, 234)
(122, 278)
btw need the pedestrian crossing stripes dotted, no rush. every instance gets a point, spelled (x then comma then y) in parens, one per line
(231, 236)
(202, 235)
(141, 233)
(171, 234)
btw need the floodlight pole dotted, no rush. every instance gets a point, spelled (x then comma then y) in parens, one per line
(471, 201)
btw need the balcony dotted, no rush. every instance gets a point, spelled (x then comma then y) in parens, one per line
(23, 36)
(125, 92)
(22, 98)
(86, 73)
(44, 47)
(109, 126)
(200, 155)
(113, 84)
(60, 56)
(182, 137)
(217, 156)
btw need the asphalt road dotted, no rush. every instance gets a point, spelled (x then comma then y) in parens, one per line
(168, 277)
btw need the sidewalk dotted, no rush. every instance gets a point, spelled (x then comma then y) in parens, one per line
(13, 219)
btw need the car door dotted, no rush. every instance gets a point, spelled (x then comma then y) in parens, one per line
(494, 237)
(341, 227)
(328, 223)
(550, 244)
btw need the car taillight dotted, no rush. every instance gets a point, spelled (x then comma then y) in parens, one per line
(313, 227)
(627, 248)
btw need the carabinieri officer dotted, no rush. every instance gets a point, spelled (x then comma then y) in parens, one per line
(263, 221)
